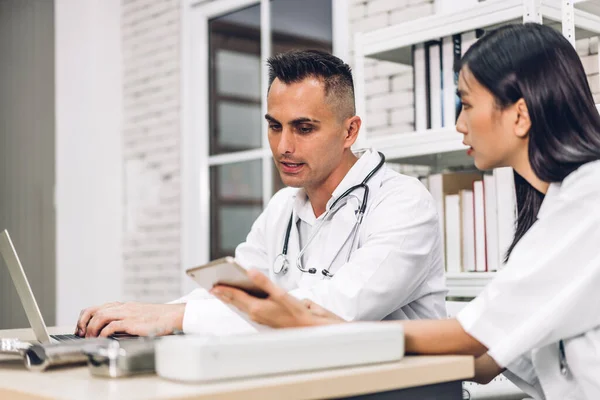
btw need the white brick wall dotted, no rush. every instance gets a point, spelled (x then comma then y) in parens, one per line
(388, 85)
(588, 51)
(151, 138)
(413, 11)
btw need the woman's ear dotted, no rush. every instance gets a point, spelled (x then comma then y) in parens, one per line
(523, 122)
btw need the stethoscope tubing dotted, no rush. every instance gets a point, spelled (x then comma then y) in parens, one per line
(281, 259)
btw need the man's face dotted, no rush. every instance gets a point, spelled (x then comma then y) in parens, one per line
(306, 136)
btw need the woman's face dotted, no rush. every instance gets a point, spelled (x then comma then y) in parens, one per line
(489, 131)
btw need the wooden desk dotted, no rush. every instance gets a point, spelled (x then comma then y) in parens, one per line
(431, 377)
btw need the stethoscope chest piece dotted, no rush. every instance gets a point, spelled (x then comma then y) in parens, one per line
(281, 265)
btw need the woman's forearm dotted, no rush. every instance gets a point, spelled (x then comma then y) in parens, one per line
(486, 369)
(440, 337)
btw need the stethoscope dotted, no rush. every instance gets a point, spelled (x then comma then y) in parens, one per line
(281, 264)
(562, 359)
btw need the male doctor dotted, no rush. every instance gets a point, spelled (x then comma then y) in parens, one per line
(313, 239)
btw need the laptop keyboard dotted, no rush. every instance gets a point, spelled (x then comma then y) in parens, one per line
(71, 337)
(66, 338)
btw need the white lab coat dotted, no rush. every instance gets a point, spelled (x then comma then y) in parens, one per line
(395, 270)
(548, 291)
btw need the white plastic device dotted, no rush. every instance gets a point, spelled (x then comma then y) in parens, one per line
(206, 358)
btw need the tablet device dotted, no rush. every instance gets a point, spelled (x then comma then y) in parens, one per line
(224, 271)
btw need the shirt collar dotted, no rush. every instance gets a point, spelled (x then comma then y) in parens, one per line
(303, 208)
(558, 191)
(361, 168)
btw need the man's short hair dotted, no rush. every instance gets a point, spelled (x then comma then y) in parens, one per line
(296, 65)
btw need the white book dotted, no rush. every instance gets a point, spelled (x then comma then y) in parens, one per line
(467, 228)
(506, 204)
(420, 85)
(435, 85)
(467, 40)
(436, 188)
(453, 236)
(441, 185)
(449, 86)
(491, 222)
(480, 245)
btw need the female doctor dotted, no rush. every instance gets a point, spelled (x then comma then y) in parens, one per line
(526, 103)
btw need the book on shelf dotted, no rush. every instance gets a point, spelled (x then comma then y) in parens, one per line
(452, 232)
(420, 87)
(491, 223)
(467, 231)
(441, 185)
(451, 53)
(479, 216)
(476, 216)
(506, 209)
(434, 83)
(467, 40)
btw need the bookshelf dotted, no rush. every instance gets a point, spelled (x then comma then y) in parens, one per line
(394, 43)
(442, 148)
(467, 284)
(420, 143)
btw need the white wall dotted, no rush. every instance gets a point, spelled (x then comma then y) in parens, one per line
(89, 188)
(27, 153)
(150, 40)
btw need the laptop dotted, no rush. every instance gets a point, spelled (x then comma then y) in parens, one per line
(9, 254)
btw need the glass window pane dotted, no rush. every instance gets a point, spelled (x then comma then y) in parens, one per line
(235, 95)
(239, 74)
(236, 222)
(236, 124)
(301, 24)
(240, 180)
(236, 201)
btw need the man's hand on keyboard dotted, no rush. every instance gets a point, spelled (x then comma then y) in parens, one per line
(140, 319)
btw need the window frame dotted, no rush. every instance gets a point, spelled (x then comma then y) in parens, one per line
(196, 160)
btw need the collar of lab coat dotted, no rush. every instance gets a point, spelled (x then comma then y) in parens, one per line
(344, 217)
(363, 166)
(577, 184)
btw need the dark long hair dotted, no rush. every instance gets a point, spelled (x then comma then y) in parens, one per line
(539, 65)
